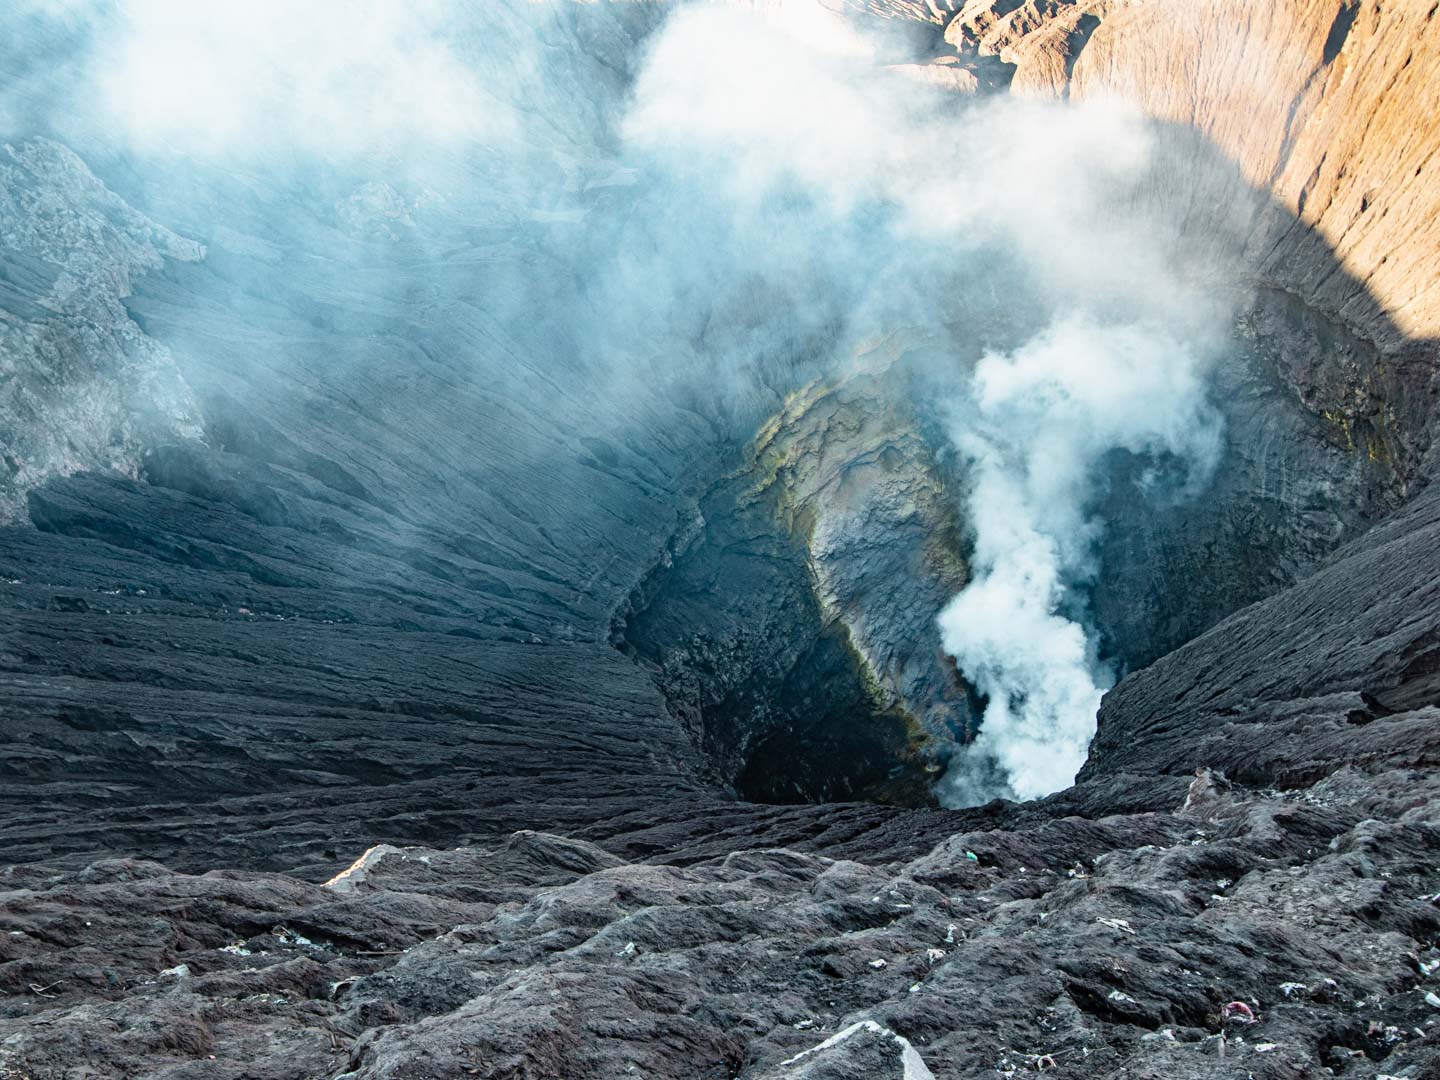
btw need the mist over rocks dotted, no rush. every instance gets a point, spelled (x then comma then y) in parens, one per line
(521, 453)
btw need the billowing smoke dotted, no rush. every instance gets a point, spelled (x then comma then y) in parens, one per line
(1043, 235)
(1036, 428)
(690, 215)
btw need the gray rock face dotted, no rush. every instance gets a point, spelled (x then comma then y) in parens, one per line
(83, 387)
(1285, 935)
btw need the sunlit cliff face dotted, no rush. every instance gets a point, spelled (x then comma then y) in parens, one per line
(923, 353)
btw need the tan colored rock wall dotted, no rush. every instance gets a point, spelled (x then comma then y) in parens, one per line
(1332, 106)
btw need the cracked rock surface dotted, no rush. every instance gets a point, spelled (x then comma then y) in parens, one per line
(1281, 934)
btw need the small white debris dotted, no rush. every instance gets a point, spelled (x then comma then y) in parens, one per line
(356, 873)
(179, 971)
(628, 950)
(877, 964)
(950, 934)
(915, 988)
(934, 956)
(1117, 924)
(1432, 999)
(1116, 995)
(288, 937)
(1290, 989)
(1265, 1048)
(237, 949)
(1429, 969)
(912, 1066)
(803, 1025)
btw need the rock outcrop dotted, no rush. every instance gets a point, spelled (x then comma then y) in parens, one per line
(1283, 935)
(83, 388)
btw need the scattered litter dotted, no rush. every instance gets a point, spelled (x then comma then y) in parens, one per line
(1045, 1062)
(972, 856)
(1265, 1048)
(934, 956)
(1123, 998)
(950, 934)
(877, 964)
(237, 949)
(803, 1025)
(915, 988)
(1237, 1012)
(288, 937)
(1432, 999)
(1117, 924)
(1429, 969)
(179, 971)
(1290, 989)
(628, 950)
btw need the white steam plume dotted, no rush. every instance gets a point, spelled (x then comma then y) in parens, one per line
(1104, 338)
(1036, 427)
(763, 193)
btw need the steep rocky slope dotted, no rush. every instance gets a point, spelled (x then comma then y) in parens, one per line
(320, 535)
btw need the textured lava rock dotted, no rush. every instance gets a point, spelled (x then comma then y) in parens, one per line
(1101, 947)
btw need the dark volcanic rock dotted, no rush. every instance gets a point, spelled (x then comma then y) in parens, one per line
(1091, 948)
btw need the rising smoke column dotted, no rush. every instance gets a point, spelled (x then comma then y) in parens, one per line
(1069, 214)
(1036, 426)
(797, 196)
